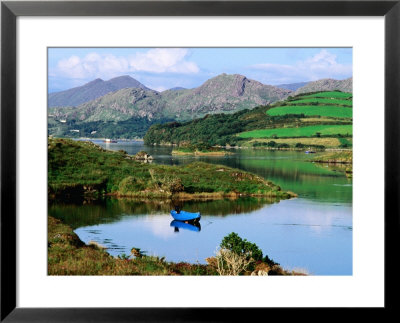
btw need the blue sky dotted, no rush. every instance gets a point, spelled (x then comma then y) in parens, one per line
(164, 68)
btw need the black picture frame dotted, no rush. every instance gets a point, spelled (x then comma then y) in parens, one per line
(10, 10)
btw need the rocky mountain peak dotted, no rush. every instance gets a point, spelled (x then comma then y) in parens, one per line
(92, 90)
(96, 81)
(345, 85)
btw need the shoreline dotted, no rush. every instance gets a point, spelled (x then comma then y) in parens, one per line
(200, 153)
(203, 196)
(69, 255)
(90, 139)
(335, 157)
(212, 153)
(332, 162)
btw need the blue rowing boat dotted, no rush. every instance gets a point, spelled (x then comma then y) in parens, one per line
(185, 216)
(192, 226)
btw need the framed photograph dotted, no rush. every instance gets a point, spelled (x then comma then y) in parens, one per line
(187, 160)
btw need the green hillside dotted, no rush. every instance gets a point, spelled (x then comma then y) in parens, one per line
(312, 110)
(291, 124)
(319, 130)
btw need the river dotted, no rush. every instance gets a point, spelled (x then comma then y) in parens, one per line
(311, 233)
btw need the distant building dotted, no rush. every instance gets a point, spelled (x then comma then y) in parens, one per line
(63, 120)
(93, 132)
(74, 130)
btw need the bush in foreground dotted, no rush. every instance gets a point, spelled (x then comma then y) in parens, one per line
(238, 256)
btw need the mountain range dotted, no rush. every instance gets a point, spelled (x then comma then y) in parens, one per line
(91, 91)
(124, 99)
(221, 94)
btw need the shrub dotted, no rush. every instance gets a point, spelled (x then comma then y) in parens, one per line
(174, 185)
(131, 184)
(269, 261)
(231, 263)
(168, 183)
(283, 145)
(241, 247)
(237, 255)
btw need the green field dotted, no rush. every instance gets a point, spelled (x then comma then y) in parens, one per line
(325, 111)
(331, 94)
(299, 132)
(329, 142)
(322, 101)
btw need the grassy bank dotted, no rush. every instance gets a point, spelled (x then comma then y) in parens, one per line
(343, 158)
(79, 168)
(300, 143)
(200, 152)
(340, 157)
(68, 255)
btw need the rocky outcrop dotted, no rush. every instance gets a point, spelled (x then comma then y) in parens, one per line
(327, 85)
(142, 155)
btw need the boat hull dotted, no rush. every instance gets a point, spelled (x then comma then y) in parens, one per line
(185, 216)
(192, 226)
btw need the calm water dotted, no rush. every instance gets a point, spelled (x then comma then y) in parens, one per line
(312, 232)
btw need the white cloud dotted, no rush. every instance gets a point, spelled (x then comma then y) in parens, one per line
(321, 65)
(159, 88)
(161, 60)
(157, 60)
(72, 67)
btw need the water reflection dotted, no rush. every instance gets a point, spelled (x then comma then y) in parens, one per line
(191, 226)
(109, 210)
(296, 233)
